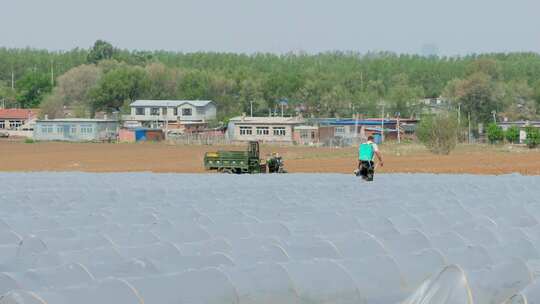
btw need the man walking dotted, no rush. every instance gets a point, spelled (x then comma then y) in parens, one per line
(366, 152)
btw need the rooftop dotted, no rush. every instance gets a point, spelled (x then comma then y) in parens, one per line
(363, 122)
(170, 103)
(520, 122)
(16, 113)
(77, 120)
(267, 120)
(305, 128)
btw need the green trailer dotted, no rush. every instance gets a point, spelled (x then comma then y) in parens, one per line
(236, 161)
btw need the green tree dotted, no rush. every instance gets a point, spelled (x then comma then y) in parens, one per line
(533, 137)
(163, 81)
(72, 91)
(250, 94)
(512, 134)
(519, 103)
(323, 84)
(488, 66)
(536, 94)
(438, 132)
(32, 88)
(8, 96)
(478, 95)
(403, 98)
(101, 50)
(119, 86)
(495, 133)
(195, 85)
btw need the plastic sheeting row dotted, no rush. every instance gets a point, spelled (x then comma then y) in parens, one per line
(133, 238)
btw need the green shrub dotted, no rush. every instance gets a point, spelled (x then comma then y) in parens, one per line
(512, 135)
(533, 137)
(495, 133)
(438, 133)
(29, 141)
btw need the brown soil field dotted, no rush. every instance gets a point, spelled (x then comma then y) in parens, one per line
(161, 157)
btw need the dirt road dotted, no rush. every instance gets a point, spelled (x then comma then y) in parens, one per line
(159, 157)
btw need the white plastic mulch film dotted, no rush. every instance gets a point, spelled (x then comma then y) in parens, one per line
(264, 239)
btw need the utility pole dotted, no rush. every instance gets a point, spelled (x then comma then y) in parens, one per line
(382, 123)
(459, 122)
(12, 79)
(282, 109)
(469, 114)
(398, 129)
(459, 114)
(52, 73)
(251, 108)
(166, 116)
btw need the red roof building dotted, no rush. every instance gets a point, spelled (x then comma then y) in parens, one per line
(15, 118)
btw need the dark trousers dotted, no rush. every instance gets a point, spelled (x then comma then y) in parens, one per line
(367, 169)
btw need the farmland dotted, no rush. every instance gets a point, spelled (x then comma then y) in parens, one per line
(163, 158)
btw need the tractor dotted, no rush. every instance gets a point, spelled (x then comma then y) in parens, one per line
(239, 162)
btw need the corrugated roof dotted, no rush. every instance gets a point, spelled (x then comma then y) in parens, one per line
(170, 103)
(520, 122)
(16, 114)
(77, 120)
(351, 122)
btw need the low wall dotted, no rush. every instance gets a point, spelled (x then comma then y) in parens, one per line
(12, 133)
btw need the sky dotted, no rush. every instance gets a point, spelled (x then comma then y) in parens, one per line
(449, 27)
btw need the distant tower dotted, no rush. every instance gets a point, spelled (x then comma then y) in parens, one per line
(430, 49)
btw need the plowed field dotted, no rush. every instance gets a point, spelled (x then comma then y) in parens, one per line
(479, 159)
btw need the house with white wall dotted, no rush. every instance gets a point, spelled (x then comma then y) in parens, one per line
(263, 129)
(171, 113)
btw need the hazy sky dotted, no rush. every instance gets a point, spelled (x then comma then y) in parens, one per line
(454, 26)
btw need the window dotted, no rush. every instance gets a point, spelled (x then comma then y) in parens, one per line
(164, 111)
(87, 129)
(139, 111)
(263, 130)
(279, 131)
(47, 129)
(175, 111)
(154, 111)
(73, 129)
(312, 134)
(59, 129)
(14, 124)
(340, 130)
(246, 131)
(186, 112)
(2, 124)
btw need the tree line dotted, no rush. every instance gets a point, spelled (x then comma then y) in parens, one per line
(105, 78)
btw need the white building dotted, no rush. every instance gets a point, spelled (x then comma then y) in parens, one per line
(264, 129)
(160, 112)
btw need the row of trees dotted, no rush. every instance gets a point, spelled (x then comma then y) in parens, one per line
(496, 135)
(327, 84)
